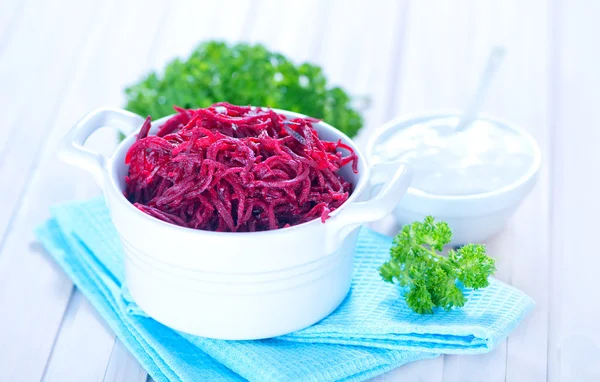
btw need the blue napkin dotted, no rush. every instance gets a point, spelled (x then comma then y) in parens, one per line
(375, 315)
(372, 332)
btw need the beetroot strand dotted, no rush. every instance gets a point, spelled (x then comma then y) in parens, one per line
(145, 128)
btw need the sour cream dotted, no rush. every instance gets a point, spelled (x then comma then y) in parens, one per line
(483, 157)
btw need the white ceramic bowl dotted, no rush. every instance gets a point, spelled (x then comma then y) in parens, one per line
(472, 218)
(234, 285)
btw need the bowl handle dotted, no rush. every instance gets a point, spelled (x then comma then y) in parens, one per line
(396, 178)
(72, 149)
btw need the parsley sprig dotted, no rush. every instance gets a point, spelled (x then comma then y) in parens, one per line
(430, 278)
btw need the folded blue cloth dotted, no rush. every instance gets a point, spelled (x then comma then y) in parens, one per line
(372, 332)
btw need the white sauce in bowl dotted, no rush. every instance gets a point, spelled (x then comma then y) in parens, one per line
(481, 158)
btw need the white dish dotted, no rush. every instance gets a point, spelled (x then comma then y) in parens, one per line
(235, 285)
(472, 218)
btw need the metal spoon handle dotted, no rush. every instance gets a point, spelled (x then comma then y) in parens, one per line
(491, 67)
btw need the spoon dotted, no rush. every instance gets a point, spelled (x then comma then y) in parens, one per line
(493, 63)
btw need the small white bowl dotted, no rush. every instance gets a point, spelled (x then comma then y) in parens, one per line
(234, 285)
(472, 218)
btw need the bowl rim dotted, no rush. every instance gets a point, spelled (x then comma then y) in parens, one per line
(445, 113)
(111, 170)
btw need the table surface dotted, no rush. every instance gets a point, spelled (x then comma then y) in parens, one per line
(59, 60)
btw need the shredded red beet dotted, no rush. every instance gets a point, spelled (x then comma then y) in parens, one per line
(236, 169)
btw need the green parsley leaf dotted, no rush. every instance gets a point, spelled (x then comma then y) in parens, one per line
(430, 278)
(242, 74)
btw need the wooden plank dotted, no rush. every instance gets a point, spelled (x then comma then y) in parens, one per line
(556, 75)
(437, 59)
(574, 343)
(428, 370)
(30, 101)
(10, 16)
(184, 29)
(83, 346)
(295, 37)
(27, 274)
(20, 360)
(123, 367)
(520, 94)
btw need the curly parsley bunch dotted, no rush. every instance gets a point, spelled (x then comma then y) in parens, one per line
(430, 278)
(242, 74)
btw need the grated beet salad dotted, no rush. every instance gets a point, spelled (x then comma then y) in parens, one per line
(232, 168)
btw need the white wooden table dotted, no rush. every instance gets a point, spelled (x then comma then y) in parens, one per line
(58, 60)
